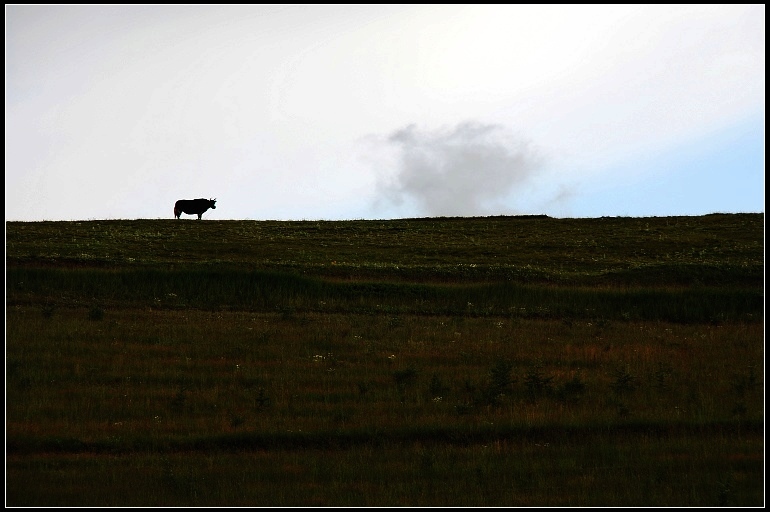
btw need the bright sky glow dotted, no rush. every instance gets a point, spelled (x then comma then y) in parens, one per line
(332, 112)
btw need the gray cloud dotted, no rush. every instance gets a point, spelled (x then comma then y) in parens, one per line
(466, 170)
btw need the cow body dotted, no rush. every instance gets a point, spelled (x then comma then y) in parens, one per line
(193, 207)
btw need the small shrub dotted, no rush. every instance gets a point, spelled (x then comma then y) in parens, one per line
(436, 388)
(48, 310)
(404, 378)
(262, 400)
(96, 313)
(724, 492)
(463, 409)
(394, 322)
(536, 384)
(287, 313)
(498, 385)
(624, 382)
(662, 375)
(500, 376)
(177, 403)
(572, 390)
(745, 382)
(739, 410)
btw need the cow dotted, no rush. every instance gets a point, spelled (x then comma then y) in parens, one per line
(193, 207)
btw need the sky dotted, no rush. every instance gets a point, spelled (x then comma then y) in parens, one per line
(336, 112)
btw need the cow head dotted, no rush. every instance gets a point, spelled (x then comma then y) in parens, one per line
(213, 206)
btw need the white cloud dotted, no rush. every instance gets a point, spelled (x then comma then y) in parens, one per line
(464, 170)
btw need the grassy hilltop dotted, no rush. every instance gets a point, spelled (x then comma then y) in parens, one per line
(523, 361)
(662, 250)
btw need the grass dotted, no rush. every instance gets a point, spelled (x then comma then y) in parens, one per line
(269, 290)
(333, 364)
(712, 249)
(666, 471)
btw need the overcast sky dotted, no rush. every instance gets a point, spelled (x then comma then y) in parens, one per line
(294, 112)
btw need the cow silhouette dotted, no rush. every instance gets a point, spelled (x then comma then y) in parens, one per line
(193, 207)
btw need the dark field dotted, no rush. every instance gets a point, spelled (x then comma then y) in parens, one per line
(499, 361)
